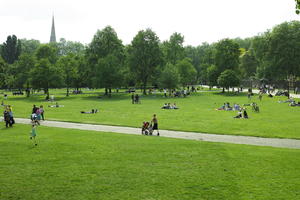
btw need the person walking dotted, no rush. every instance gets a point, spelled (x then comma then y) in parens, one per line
(33, 134)
(42, 112)
(154, 121)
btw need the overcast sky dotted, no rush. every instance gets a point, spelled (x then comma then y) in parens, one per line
(198, 20)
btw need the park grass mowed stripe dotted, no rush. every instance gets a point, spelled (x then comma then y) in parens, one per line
(75, 164)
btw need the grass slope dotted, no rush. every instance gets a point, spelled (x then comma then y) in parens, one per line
(197, 113)
(74, 164)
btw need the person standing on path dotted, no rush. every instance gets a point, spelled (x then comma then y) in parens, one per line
(155, 124)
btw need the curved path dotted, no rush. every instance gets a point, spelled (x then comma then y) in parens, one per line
(249, 140)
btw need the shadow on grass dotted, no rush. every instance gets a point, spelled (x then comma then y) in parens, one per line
(230, 94)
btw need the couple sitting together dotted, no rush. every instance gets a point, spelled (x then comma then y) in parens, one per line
(169, 106)
(242, 114)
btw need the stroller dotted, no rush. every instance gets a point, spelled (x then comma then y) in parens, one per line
(147, 128)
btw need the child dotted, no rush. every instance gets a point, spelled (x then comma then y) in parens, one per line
(33, 134)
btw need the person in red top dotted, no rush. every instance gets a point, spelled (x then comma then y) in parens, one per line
(155, 124)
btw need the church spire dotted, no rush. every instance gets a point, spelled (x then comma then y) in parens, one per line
(53, 37)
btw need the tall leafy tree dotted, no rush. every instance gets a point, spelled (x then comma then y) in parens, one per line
(144, 56)
(186, 71)
(173, 48)
(29, 46)
(106, 56)
(227, 55)
(297, 6)
(11, 49)
(169, 77)
(228, 79)
(284, 50)
(248, 65)
(212, 76)
(45, 73)
(68, 65)
(69, 47)
(3, 73)
(24, 65)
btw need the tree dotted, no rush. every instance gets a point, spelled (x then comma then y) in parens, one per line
(106, 56)
(186, 71)
(24, 65)
(108, 73)
(228, 79)
(173, 49)
(169, 77)
(212, 75)
(227, 55)
(201, 57)
(29, 46)
(68, 65)
(284, 50)
(11, 49)
(69, 47)
(248, 64)
(47, 51)
(45, 75)
(144, 56)
(3, 67)
(297, 6)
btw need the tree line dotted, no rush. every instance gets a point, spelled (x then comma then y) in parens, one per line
(147, 62)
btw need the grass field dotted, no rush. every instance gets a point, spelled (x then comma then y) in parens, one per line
(74, 164)
(197, 112)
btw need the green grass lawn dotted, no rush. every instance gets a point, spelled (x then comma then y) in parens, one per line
(197, 112)
(74, 164)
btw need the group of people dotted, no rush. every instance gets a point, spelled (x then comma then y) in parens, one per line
(37, 114)
(169, 106)
(226, 106)
(8, 115)
(135, 99)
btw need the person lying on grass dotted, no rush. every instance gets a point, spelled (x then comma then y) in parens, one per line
(294, 103)
(289, 100)
(55, 106)
(92, 112)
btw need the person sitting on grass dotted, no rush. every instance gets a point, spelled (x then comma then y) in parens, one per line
(245, 114)
(227, 106)
(174, 106)
(92, 112)
(165, 106)
(236, 107)
(239, 114)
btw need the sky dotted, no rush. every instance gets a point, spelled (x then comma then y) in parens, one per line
(197, 20)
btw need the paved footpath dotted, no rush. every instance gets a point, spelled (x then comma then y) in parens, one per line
(258, 141)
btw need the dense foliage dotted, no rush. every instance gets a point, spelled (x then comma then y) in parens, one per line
(147, 62)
